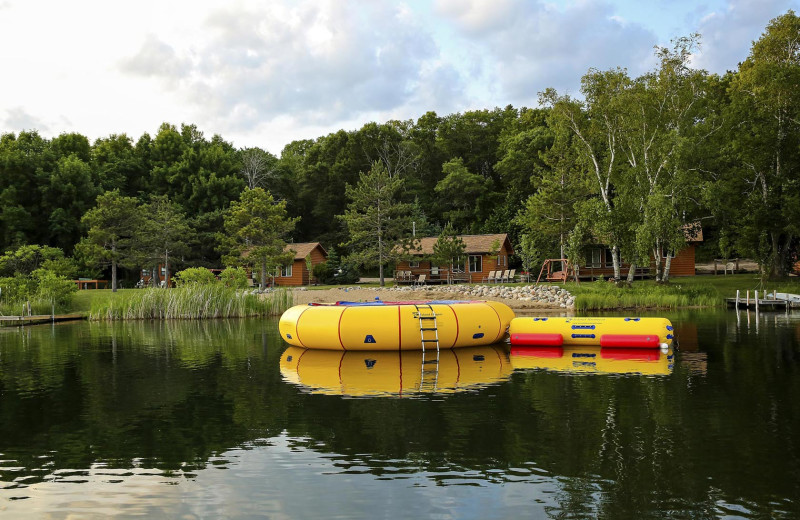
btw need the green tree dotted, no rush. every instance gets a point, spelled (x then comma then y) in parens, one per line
(448, 248)
(111, 224)
(378, 223)
(255, 230)
(162, 235)
(459, 191)
(528, 253)
(765, 128)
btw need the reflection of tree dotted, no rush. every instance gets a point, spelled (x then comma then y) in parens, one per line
(173, 395)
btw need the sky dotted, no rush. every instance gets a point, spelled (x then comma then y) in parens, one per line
(265, 73)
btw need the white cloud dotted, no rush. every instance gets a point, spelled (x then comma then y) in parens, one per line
(728, 34)
(529, 46)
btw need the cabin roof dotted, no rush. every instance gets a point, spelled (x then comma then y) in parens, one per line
(303, 249)
(473, 244)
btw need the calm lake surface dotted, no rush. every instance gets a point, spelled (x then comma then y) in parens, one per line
(222, 419)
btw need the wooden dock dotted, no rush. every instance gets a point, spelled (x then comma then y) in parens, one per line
(38, 318)
(766, 302)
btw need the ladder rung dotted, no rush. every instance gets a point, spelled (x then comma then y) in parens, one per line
(431, 340)
(427, 317)
(428, 328)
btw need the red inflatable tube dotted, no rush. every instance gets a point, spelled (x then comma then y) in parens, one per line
(630, 354)
(630, 340)
(537, 340)
(540, 352)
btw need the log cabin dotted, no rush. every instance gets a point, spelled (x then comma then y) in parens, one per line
(297, 273)
(482, 254)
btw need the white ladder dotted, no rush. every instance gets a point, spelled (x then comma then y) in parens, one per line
(429, 336)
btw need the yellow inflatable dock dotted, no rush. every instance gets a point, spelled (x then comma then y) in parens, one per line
(380, 325)
(606, 332)
(394, 373)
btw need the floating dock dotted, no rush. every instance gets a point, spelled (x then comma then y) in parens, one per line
(767, 301)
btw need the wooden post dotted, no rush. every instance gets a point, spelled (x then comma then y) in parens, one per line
(747, 300)
(737, 299)
(756, 301)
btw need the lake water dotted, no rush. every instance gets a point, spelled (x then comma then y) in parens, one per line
(221, 419)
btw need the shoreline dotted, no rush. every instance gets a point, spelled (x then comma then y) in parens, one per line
(303, 296)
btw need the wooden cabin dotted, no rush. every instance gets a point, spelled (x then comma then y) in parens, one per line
(482, 254)
(297, 273)
(146, 277)
(598, 259)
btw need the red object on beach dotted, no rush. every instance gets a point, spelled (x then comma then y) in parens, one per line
(540, 352)
(537, 340)
(630, 340)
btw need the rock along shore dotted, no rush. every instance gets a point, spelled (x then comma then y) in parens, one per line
(524, 297)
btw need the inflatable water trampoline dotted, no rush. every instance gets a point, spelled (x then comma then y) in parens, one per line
(379, 325)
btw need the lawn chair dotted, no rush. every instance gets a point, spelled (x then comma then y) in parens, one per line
(501, 275)
(511, 276)
(421, 280)
(490, 277)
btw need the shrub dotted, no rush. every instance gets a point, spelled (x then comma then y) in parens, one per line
(195, 276)
(235, 277)
(53, 288)
(322, 273)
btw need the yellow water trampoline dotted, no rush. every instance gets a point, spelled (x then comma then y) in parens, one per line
(380, 325)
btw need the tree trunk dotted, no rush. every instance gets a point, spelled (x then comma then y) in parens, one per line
(155, 275)
(113, 267)
(263, 275)
(631, 273)
(380, 259)
(667, 264)
(615, 261)
(657, 258)
(166, 269)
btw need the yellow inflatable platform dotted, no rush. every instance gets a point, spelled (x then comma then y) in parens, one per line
(394, 374)
(607, 332)
(395, 325)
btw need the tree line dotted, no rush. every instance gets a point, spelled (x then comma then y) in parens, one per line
(630, 164)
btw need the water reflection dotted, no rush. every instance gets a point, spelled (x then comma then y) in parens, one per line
(594, 360)
(197, 419)
(397, 373)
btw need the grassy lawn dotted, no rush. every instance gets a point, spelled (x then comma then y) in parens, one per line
(690, 291)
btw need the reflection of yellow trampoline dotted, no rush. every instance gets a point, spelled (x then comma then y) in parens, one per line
(396, 373)
(594, 360)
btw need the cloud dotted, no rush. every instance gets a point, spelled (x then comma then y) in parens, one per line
(530, 46)
(728, 34)
(19, 118)
(317, 61)
(156, 59)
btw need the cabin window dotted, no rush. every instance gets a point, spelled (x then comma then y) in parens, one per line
(594, 258)
(502, 260)
(665, 252)
(475, 264)
(285, 271)
(458, 265)
(413, 265)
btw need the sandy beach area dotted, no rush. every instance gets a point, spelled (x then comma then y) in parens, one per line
(357, 294)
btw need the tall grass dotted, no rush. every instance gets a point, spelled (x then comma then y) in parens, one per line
(602, 295)
(190, 302)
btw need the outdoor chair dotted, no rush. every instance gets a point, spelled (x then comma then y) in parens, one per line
(501, 276)
(511, 276)
(490, 277)
(420, 280)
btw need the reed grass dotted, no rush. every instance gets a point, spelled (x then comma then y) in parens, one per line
(191, 303)
(602, 295)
